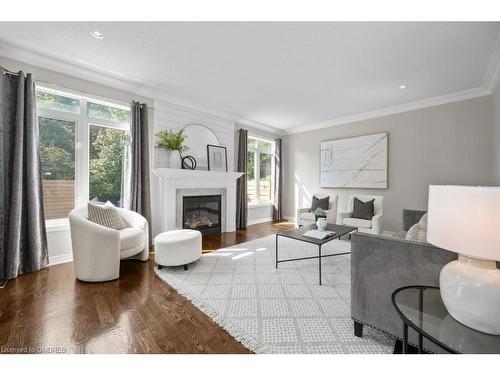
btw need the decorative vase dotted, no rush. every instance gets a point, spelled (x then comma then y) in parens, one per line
(174, 159)
(316, 217)
(321, 223)
(470, 289)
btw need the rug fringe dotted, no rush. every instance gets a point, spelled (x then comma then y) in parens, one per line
(242, 336)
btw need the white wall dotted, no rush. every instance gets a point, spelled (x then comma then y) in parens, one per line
(175, 117)
(446, 144)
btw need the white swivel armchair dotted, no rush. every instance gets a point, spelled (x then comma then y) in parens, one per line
(304, 217)
(97, 250)
(373, 226)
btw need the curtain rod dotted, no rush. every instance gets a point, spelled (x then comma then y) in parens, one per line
(5, 71)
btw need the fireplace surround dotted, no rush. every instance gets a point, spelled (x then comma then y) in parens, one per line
(173, 184)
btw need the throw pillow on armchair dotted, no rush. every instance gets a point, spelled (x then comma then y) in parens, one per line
(363, 210)
(322, 203)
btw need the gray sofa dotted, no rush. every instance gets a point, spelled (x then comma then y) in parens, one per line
(381, 264)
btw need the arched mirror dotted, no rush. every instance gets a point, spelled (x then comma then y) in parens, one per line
(197, 139)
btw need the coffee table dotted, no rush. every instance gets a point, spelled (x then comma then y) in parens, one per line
(298, 234)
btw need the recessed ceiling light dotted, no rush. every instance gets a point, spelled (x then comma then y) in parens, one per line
(97, 35)
(402, 87)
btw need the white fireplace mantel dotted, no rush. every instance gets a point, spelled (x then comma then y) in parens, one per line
(172, 180)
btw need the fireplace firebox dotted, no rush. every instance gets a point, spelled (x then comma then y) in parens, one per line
(202, 212)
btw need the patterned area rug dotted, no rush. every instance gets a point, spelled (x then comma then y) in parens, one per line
(278, 311)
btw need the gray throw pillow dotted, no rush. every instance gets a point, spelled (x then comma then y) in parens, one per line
(106, 215)
(322, 203)
(363, 210)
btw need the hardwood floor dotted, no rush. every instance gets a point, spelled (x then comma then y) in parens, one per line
(51, 311)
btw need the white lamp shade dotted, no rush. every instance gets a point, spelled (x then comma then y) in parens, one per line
(465, 219)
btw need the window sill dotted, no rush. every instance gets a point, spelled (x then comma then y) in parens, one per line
(57, 225)
(258, 205)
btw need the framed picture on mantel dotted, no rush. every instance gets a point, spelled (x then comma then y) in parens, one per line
(217, 158)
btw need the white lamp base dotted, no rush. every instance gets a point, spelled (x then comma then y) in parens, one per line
(470, 289)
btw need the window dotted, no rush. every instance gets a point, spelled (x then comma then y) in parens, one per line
(57, 144)
(106, 156)
(260, 170)
(83, 142)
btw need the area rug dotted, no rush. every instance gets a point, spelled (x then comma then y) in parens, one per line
(280, 310)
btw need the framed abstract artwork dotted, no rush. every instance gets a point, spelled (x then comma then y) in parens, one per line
(356, 162)
(217, 158)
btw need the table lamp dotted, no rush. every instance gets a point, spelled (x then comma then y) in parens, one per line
(466, 220)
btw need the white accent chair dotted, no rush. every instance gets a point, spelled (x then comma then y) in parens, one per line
(97, 250)
(304, 217)
(373, 226)
(177, 247)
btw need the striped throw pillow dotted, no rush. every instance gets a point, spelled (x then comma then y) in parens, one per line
(105, 215)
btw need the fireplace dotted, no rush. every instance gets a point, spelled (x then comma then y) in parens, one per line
(202, 212)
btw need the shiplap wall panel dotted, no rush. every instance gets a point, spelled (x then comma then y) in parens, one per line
(175, 117)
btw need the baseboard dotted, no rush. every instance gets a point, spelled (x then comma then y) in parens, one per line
(258, 221)
(59, 259)
(268, 219)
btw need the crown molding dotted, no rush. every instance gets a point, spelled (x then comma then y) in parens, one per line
(260, 126)
(92, 74)
(493, 70)
(118, 81)
(490, 83)
(155, 92)
(190, 107)
(407, 107)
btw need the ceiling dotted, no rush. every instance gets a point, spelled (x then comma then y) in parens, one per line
(284, 75)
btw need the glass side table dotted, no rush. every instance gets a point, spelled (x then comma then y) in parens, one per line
(422, 309)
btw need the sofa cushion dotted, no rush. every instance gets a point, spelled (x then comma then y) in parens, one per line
(358, 223)
(131, 238)
(401, 234)
(307, 216)
(363, 210)
(322, 203)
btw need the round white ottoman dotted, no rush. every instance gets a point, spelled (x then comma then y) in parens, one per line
(177, 247)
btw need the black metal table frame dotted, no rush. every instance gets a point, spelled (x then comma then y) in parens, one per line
(319, 256)
(408, 323)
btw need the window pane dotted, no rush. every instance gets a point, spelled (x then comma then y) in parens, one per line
(106, 154)
(265, 177)
(57, 143)
(107, 113)
(265, 147)
(58, 102)
(251, 188)
(252, 144)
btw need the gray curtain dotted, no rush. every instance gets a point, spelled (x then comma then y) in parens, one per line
(241, 184)
(278, 180)
(138, 196)
(23, 238)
